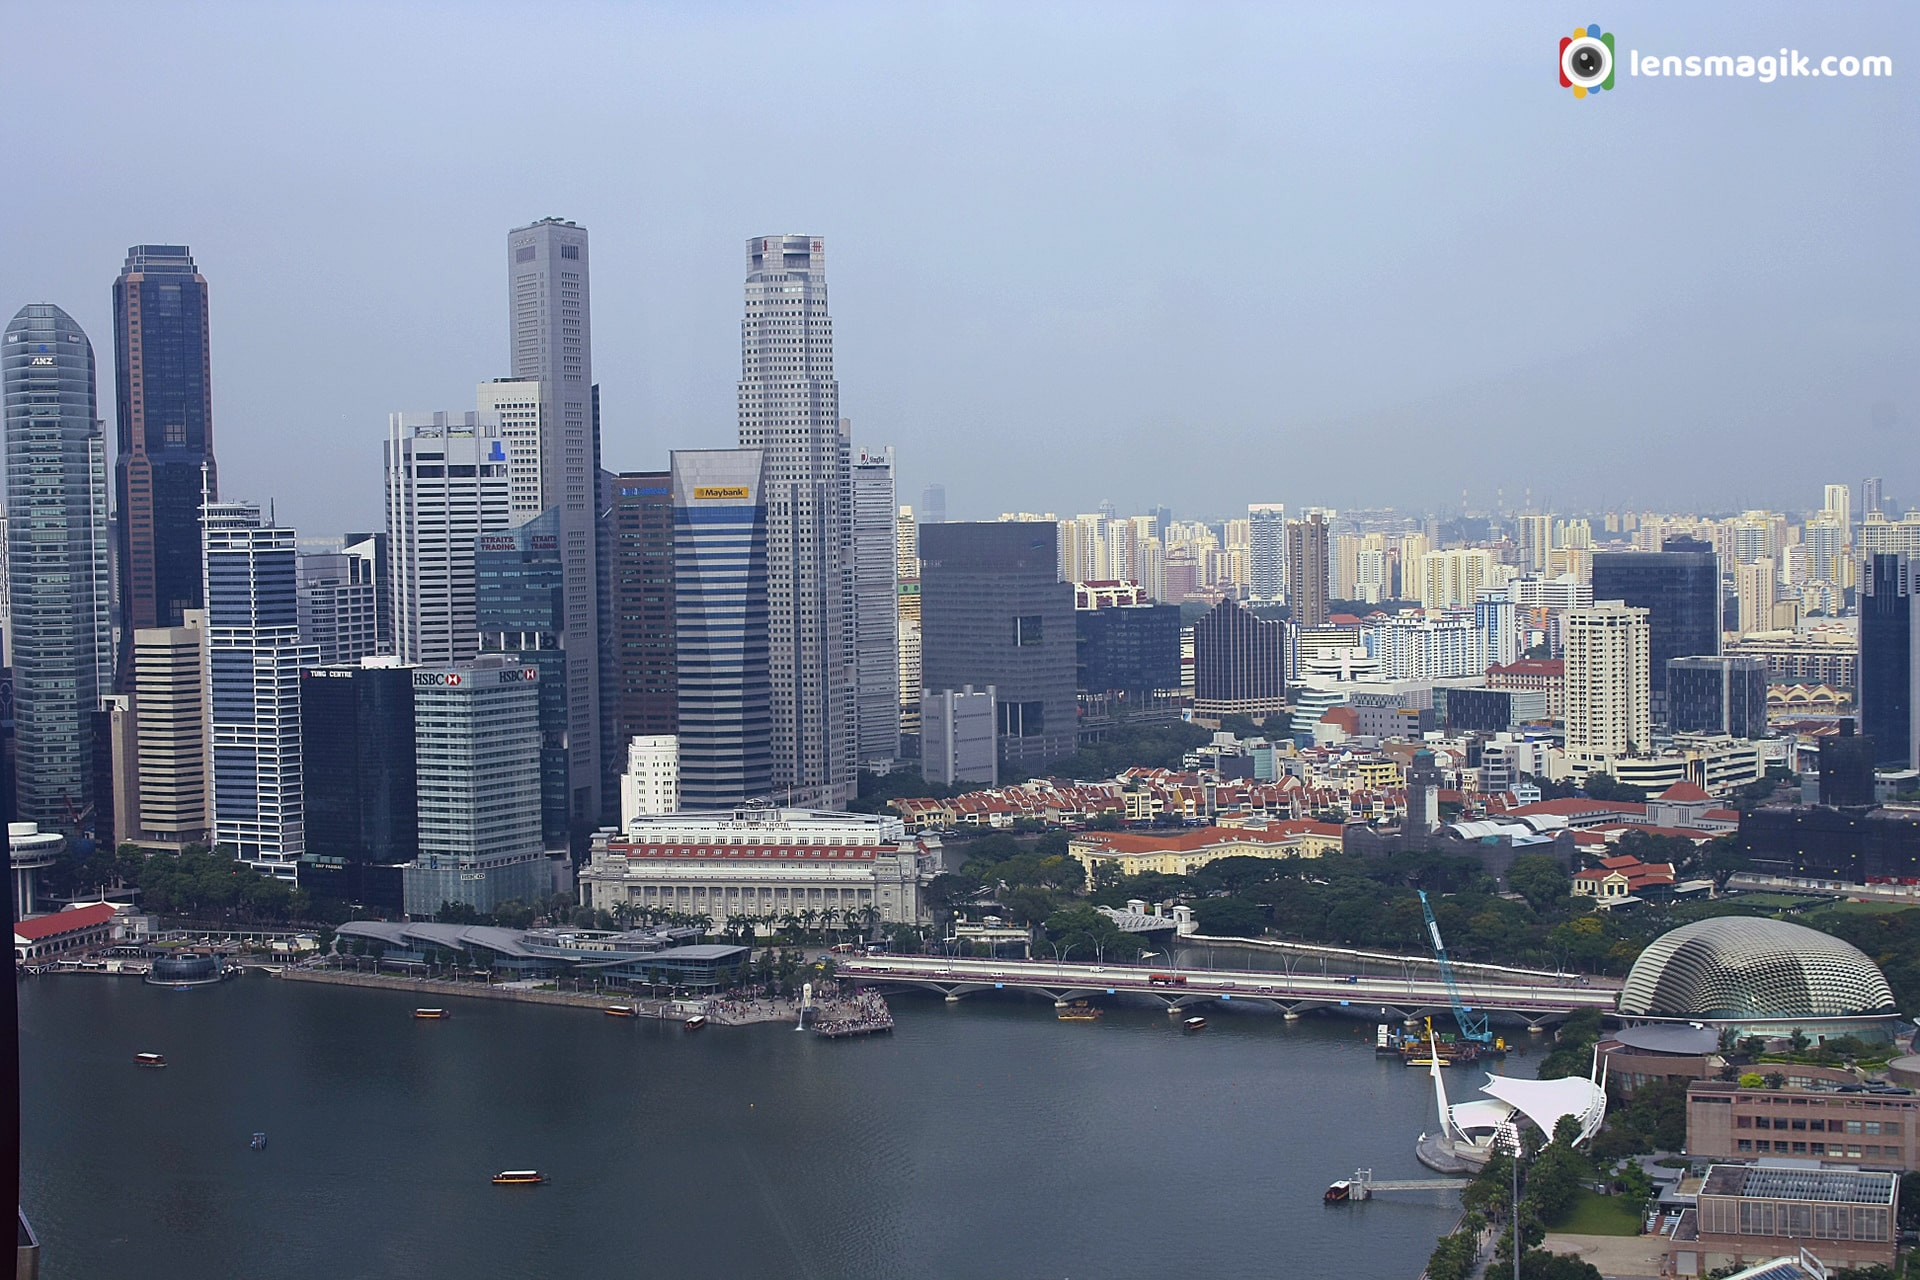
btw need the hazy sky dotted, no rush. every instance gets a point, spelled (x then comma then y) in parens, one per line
(1193, 254)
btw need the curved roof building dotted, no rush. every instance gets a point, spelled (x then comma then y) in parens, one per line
(1741, 969)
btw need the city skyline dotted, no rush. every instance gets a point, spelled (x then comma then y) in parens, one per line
(1701, 339)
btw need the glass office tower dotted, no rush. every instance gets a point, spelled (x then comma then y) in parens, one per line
(1679, 587)
(720, 617)
(164, 393)
(58, 584)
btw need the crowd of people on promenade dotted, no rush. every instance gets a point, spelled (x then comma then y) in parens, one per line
(865, 1011)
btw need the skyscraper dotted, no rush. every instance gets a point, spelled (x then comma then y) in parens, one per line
(446, 485)
(933, 504)
(643, 666)
(58, 584)
(1307, 570)
(1267, 540)
(1754, 586)
(476, 755)
(170, 701)
(519, 607)
(1608, 679)
(1679, 587)
(876, 607)
(339, 594)
(360, 786)
(1239, 663)
(254, 660)
(1888, 601)
(993, 613)
(164, 384)
(906, 545)
(1872, 496)
(790, 412)
(550, 312)
(720, 615)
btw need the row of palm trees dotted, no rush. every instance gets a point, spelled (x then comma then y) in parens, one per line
(806, 924)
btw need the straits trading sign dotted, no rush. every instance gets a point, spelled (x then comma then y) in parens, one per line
(711, 492)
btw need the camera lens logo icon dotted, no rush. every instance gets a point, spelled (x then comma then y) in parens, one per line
(1586, 60)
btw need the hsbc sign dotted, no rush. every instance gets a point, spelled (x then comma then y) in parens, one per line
(436, 679)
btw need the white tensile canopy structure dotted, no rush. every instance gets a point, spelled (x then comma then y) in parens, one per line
(1546, 1102)
(1476, 1129)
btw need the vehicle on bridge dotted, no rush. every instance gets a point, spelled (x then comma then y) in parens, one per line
(1166, 979)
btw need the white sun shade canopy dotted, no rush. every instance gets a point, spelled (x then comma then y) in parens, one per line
(1545, 1101)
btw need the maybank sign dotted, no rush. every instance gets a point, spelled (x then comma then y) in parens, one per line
(709, 492)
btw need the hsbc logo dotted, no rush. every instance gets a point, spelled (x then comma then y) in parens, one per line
(522, 676)
(436, 679)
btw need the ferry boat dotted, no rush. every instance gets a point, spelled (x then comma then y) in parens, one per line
(150, 1059)
(1194, 1023)
(619, 1011)
(1339, 1192)
(429, 1013)
(696, 1022)
(519, 1178)
(1081, 1011)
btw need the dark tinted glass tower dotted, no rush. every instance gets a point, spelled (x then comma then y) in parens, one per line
(1718, 695)
(1239, 663)
(165, 397)
(356, 740)
(57, 561)
(1133, 650)
(1680, 590)
(643, 606)
(520, 608)
(994, 612)
(1886, 658)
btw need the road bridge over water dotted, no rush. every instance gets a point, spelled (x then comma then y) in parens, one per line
(1537, 1004)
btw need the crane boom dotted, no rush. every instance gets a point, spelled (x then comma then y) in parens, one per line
(1473, 1027)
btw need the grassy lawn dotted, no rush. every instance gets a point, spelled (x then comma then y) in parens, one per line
(1861, 909)
(1775, 900)
(1594, 1215)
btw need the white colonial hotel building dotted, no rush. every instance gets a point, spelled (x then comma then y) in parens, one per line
(763, 862)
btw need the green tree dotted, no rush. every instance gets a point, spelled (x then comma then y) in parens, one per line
(1229, 918)
(1541, 880)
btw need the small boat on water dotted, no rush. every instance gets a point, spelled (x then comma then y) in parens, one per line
(429, 1013)
(519, 1178)
(150, 1059)
(259, 1142)
(1194, 1024)
(1339, 1192)
(1081, 1011)
(619, 1011)
(696, 1022)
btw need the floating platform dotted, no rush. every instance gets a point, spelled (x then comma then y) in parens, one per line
(856, 1029)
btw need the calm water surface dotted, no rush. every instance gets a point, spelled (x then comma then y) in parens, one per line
(980, 1139)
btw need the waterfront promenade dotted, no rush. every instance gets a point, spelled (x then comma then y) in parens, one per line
(728, 1010)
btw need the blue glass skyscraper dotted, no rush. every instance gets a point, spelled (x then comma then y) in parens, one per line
(720, 622)
(520, 606)
(57, 561)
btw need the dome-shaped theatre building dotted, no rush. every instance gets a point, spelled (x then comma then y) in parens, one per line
(1760, 977)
